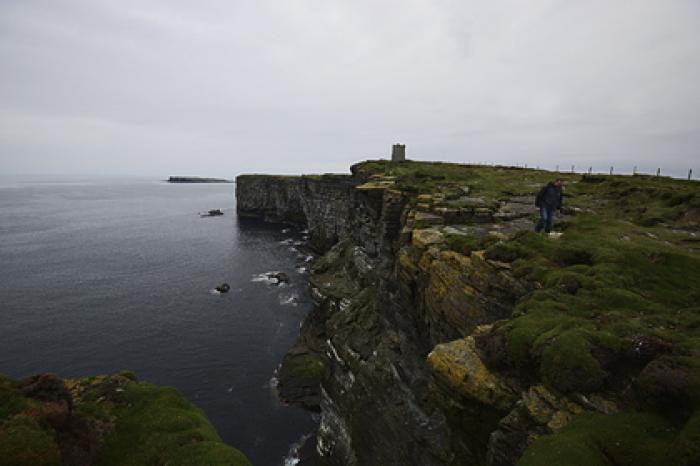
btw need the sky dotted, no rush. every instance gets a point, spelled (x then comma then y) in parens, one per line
(221, 87)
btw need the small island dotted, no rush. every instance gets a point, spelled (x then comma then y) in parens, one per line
(196, 179)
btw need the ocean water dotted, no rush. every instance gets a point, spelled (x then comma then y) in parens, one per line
(100, 275)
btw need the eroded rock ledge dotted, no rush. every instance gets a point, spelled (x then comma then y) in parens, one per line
(445, 332)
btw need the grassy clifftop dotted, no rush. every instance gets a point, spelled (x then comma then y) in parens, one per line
(613, 307)
(104, 420)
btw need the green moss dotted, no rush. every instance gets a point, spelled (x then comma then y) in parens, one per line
(93, 410)
(567, 363)
(24, 442)
(11, 400)
(606, 273)
(304, 365)
(430, 177)
(154, 425)
(421, 224)
(464, 244)
(504, 252)
(209, 454)
(522, 333)
(129, 375)
(685, 448)
(624, 439)
(165, 427)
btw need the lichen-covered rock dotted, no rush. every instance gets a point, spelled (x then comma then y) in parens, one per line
(426, 237)
(538, 412)
(463, 292)
(458, 366)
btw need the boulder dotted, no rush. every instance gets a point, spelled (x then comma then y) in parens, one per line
(458, 365)
(426, 237)
(223, 288)
(281, 277)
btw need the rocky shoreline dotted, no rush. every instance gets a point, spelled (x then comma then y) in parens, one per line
(445, 332)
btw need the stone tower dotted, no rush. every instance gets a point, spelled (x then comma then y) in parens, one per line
(398, 153)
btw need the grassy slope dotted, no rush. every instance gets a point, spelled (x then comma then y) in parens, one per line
(142, 424)
(167, 430)
(616, 306)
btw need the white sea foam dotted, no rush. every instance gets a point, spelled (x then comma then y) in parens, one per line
(292, 299)
(292, 457)
(265, 277)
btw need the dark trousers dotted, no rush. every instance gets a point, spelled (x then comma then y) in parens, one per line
(546, 219)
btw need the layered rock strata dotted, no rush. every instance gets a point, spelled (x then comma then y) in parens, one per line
(412, 352)
(383, 300)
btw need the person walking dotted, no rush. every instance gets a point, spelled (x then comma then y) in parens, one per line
(549, 200)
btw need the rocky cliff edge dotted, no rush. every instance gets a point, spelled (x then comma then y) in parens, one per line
(445, 331)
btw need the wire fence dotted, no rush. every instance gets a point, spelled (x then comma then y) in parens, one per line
(609, 171)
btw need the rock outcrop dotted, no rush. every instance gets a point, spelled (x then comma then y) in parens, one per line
(444, 332)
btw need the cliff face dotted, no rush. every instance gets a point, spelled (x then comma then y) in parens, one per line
(319, 203)
(444, 332)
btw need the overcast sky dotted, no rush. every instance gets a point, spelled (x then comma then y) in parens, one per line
(222, 87)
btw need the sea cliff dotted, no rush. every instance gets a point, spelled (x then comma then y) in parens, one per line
(446, 332)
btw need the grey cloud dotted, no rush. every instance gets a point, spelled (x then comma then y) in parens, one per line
(221, 87)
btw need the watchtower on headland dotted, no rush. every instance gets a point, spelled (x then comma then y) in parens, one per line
(398, 153)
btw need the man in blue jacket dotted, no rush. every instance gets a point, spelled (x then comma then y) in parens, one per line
(549, 201)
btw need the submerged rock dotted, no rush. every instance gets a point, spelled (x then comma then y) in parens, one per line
(281, 277)
(223, 288)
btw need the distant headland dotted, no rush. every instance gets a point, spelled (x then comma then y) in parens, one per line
(196, 179)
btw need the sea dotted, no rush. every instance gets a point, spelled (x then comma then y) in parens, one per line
(99, 275)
